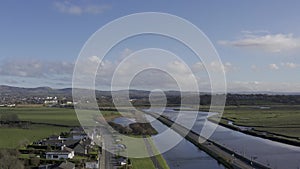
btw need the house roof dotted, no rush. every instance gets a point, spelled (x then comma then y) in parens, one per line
(67, 149)
(52, 142)
(57, 152)
(86, 142)
(70, 143)
(79, 148)
(66, 165)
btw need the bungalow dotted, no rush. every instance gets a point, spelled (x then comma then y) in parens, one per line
(92, 165)
(57, 155)
(65, 153)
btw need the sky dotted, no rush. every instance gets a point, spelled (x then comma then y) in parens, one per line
(258, 42)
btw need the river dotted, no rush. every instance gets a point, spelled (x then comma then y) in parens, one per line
(184, 155)
(270, 153)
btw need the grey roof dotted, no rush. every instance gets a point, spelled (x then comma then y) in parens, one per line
(70, 143)
(57, 152)
(66, 165)
(52, 142)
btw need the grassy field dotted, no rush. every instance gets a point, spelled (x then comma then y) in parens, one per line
(44, 115)
(12, 137)
(138, 148)
(282, 121)
(145, 162)
(159, 157)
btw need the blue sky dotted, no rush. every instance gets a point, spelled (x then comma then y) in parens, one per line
(258, 41)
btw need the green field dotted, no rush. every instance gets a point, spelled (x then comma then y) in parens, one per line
(12, 137)
(145, 162)
(281, 121)
(45, 115)
(138, 148)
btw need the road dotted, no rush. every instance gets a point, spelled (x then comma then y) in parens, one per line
(106, 161)
(151, 154)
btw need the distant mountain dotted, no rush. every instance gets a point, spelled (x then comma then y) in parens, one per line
(67, 92)
(39, 91)
(9, 94)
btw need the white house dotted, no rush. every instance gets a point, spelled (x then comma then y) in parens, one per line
(65, 153)
(51, 100)
(56, 155)
(92, 165)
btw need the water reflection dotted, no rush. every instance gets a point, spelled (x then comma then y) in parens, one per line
(270, 153)
(184, 155)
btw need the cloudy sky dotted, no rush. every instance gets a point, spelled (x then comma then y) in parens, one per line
(257, 41)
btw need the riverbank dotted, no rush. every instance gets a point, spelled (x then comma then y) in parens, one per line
(257, 133)
(153, 159)
(223, 155)
(277, 123)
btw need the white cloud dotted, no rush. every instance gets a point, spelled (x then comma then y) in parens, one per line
(214, 66)
(94, 59)
(259, 86)
(126, 52)
(254, 68)
(290, 65)
(79, 8)
(34, 68)
(273, 66)
(267, 42)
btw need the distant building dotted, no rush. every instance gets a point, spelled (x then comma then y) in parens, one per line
(51, 100)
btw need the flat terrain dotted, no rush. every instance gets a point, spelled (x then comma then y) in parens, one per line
(154, 162)
(276, 120)
(62, 116)
(13, 137)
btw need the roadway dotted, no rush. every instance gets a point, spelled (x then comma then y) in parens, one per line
(151, 154)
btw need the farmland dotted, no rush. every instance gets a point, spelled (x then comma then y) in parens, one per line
(276, 121)
(13, 137)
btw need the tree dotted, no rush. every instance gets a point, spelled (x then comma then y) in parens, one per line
(35, 161)
(9, 117)
(9, 160)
